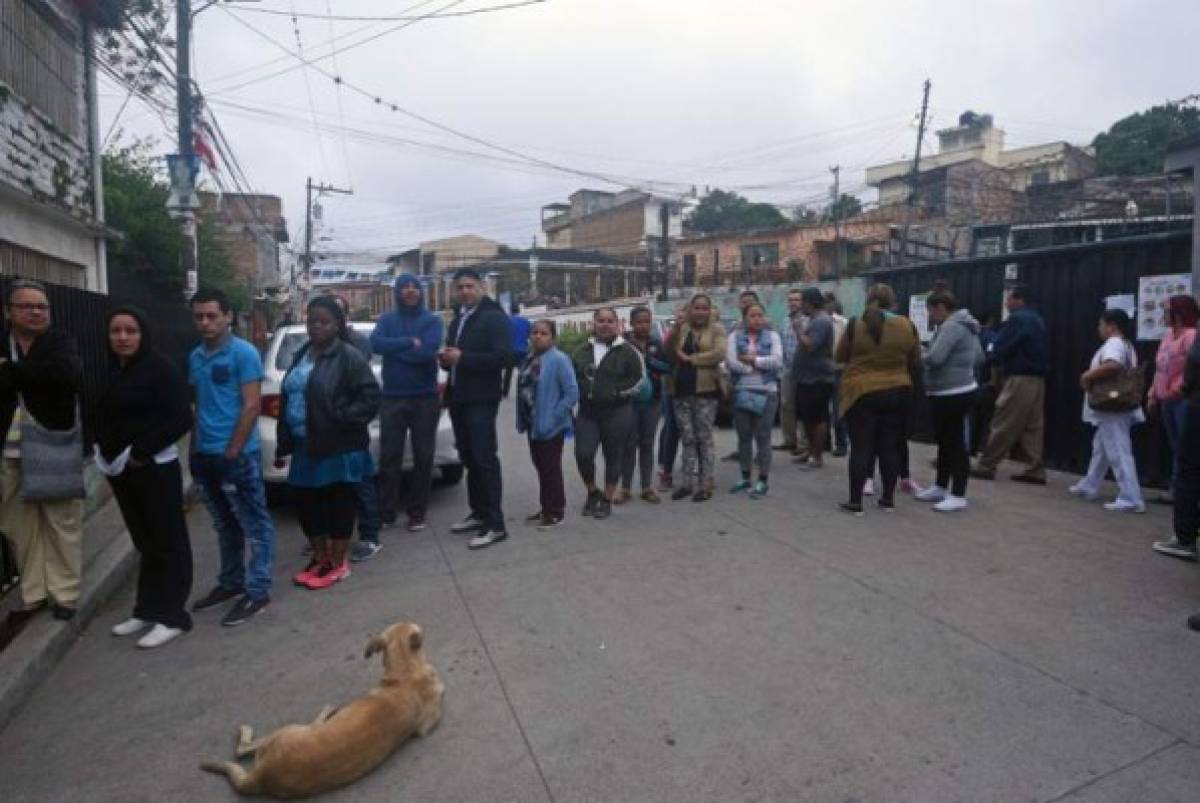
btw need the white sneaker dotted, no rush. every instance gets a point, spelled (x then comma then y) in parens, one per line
(1078, 489)
(159, 636)
(869, 488)
(951, 504)
(934, 493)
(1122, 506)
(130, 626)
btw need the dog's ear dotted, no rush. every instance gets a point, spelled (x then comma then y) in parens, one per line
(415, 640)
(374, 645)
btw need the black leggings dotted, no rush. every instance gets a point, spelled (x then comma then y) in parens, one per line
(608, 429)
(950, 416)
(877, 422)
(326, 512)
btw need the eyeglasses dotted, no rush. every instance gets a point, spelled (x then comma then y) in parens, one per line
(30, 307)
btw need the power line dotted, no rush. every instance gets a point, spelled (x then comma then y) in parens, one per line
(367, 18)
(338, 82)
(312, 107)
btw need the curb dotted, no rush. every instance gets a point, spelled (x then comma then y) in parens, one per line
(45, 641)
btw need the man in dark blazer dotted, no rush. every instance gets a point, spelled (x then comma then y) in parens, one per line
(478, 349)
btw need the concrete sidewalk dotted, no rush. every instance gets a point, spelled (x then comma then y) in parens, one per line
(1031, 649)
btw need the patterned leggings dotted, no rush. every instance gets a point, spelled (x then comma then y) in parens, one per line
(694, 415)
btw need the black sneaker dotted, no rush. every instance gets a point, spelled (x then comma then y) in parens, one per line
(851, 508)
(364, 551)
(887, 506)
(603, 509)
(416, 523)
(243, 609)
(593, 499)
(215, 597)
(486, 539)
(535, 518)
(1194, 621)
(470, 524)
(549, 522)
(681, 493)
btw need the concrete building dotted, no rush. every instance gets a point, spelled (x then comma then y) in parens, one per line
(976, 141)
(438, 259)
(251, 228)
(626, 225)
(802, 252)
(51, 197)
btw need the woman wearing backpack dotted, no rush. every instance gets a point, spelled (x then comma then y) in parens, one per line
(1111, 445)
(754, 357)
(608, 371)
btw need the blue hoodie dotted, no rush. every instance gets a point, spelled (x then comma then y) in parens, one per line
(409, 369)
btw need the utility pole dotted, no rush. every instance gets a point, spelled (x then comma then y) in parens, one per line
(183, 169)
(320, 189)
(664, 248)
(835, 209)
(916, 175)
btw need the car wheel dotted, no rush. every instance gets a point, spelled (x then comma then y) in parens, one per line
(452, 475)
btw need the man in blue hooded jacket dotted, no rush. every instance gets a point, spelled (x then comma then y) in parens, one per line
(408, 338)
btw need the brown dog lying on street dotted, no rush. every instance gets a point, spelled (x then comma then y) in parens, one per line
(343, 744)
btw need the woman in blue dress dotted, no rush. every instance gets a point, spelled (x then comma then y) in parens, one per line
(329, 396)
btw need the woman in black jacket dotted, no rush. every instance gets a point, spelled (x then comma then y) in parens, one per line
(141, 415)
(329, 396)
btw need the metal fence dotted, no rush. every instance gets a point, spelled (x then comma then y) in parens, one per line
(81, 313)
(1070, 284)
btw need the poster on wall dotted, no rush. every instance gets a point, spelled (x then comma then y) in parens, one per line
(1153, 292)
(1123, 301)
(919, 315)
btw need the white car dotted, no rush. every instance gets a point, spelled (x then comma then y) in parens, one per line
(281, 350)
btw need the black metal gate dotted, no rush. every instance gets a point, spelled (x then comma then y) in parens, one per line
(1070, 284)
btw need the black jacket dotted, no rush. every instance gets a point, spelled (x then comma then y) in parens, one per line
(486, 344)
(340, 400)
(47, 378)
(146, 404)
(612, 382)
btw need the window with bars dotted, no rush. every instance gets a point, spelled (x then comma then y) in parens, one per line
(39, 60)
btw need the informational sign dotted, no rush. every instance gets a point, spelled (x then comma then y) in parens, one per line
(1153, 292)
(919, 315)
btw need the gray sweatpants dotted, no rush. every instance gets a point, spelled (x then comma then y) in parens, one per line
(754, 436)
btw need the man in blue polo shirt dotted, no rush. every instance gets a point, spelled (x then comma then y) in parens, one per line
(226, 372)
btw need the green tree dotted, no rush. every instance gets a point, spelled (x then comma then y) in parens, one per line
(846, 206)
(727, 211)
(1136, 145)
(145, 260)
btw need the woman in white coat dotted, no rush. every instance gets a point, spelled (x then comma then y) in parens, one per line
(1111, 446)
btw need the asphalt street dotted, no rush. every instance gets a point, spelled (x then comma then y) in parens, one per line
(1030, 649)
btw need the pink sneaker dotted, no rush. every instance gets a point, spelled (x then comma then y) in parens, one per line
(327, 575)
(869, 488)
(310, 571)
(910, 487)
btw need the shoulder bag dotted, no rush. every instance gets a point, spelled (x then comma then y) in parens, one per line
(1120, 393)
(51, 460)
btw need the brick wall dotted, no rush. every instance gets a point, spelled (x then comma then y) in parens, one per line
(44, 153)
(618, 231)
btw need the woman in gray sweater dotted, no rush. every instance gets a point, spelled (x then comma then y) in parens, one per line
(951, 359)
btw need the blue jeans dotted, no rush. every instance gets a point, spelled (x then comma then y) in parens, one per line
(233, 492)
(366, 504)
(1173, 415)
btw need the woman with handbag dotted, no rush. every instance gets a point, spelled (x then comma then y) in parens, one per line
(1112, 404)
(608, 371)
(329, 397)
(881, 350)
(697, 349)
(141, 415)
(546, 395)
(1166, 393)
(41, 472)
(647, 406)
(754, 357)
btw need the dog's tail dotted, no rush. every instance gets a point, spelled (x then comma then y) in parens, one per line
(244, 782)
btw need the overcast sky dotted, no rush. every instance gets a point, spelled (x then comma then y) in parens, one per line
(759, 95)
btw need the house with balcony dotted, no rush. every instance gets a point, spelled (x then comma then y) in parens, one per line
(51, 196)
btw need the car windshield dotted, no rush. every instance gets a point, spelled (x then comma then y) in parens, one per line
(292, 343)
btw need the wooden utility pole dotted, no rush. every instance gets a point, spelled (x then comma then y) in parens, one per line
(836, 214)
(664, 248)
(916, 175)
(320, 189)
